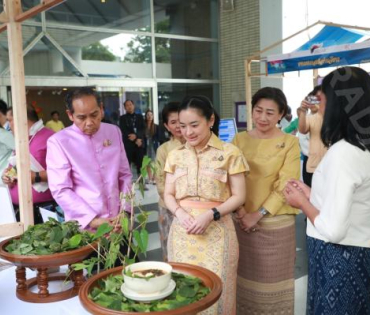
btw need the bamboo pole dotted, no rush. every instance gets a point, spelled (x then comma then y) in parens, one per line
(248, 93)
(14, 8)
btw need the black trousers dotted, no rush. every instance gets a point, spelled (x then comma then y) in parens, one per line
(134, 154)
(307, 177)
(36, 210)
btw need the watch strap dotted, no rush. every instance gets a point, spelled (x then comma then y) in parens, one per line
(263, 211)
(37, 177)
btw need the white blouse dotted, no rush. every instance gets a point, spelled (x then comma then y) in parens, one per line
(341, 192)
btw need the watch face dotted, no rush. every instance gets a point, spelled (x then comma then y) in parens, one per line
(216, 216)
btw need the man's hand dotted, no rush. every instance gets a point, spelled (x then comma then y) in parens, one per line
(139, 142)
(8, 180)
(95, 223)
(132, 137)
(201, 223)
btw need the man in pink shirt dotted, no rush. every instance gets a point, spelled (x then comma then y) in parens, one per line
(87, 164)
(38, 136)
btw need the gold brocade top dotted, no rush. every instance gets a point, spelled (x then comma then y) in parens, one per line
(272, 163)
(160, 162)
(204, 175)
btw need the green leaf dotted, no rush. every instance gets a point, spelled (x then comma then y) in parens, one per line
(125, 226)
(75, 240)
(144, 235)
(103, 229)
(187, 292)
(137, 238)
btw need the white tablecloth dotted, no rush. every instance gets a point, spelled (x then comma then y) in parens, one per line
(11, 305)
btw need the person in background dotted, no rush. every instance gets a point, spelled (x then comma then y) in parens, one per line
(287, 119)
(151, 141)
(266, 229)
(87, 163)
(7, 144)
(55, 124)
(292, 128)
(312, 124)
(133, 131)
(338, 205)
(170, 118)
(38, 136)
(205, 182)
(3, 120)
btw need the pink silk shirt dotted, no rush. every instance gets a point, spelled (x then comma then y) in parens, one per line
(87, 173)
(38, 150)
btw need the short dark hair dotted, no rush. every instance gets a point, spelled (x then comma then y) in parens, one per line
(316, 89)
(347, 116)
(205, 108)
(171, 107)
(54, 112)
(3, 107)
(124, 103)
(274, 94)
(32, 114)
(78, 93)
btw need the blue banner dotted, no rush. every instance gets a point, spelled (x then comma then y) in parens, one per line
(330, 59)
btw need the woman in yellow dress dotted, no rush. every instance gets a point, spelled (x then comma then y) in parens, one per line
(170, 118)
(205, 182)
(266, 230)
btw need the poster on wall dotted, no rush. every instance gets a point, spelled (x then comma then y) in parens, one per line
(241, 114)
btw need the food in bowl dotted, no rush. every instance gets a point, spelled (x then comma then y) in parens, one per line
(147, 277)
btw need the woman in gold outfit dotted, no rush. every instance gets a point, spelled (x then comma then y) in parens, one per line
(205, 182)
(266, 230)
(170, 118)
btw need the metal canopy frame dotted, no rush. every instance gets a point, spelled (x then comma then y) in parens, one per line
(257, 58)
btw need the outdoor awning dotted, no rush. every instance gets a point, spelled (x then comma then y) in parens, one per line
(332, 46)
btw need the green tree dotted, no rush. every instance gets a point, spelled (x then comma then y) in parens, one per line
(97, 51)
(140, 47)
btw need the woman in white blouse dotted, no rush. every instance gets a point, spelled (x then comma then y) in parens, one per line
(338, 205)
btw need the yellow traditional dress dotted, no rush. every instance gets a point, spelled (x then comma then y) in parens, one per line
(165, 217)
(201, 183)
(266, 264)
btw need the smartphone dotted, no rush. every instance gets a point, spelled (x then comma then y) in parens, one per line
(314, 100)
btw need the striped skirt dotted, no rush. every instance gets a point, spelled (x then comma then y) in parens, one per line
(217, 250)
(165, 218)
(338, 279)
(265, 282)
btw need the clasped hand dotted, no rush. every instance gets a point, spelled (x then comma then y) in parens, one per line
(296, 193)
(248, 221)
(197, 225)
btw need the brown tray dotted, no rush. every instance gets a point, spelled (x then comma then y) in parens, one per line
(209, 279)
(42, 263)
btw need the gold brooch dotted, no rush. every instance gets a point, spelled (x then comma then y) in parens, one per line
(281, 145)
(107, 143)
(221, 158)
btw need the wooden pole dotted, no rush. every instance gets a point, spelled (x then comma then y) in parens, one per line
(14, 8)
(248, 93)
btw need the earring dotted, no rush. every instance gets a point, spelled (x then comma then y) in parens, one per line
(211, 127)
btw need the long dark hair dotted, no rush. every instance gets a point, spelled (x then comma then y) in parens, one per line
(205, 108)
(347, 111)
(152, 127)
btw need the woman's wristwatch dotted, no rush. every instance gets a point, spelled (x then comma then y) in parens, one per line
(216, 214)
(263, 211)
(37, 177)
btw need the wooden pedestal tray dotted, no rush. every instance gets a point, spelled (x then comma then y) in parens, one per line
(42, 263)
(209, 279)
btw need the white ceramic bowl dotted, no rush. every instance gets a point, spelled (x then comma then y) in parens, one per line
(147, 286)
